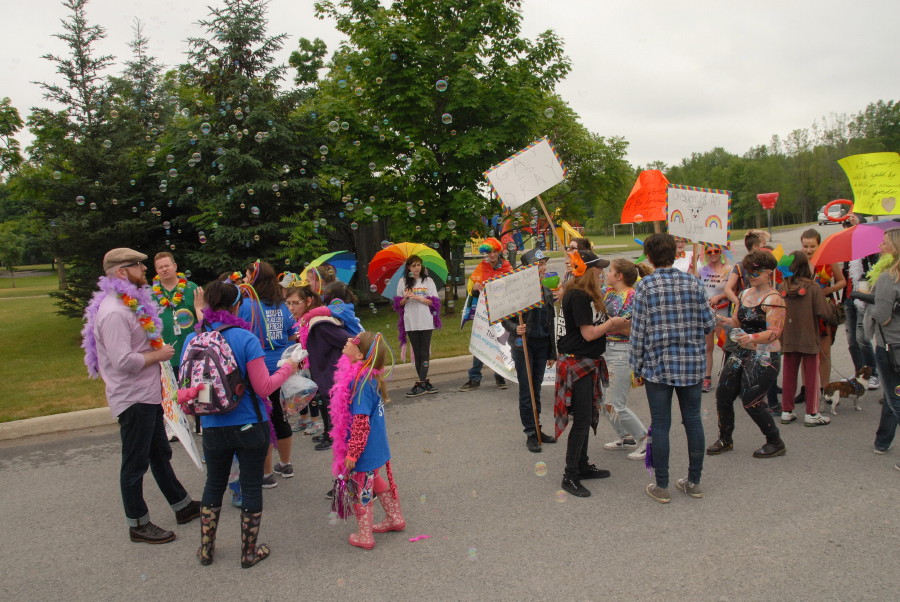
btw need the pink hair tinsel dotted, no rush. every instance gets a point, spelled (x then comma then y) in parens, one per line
(347, 381)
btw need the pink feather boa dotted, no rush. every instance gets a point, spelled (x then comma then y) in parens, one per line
(112, 286)
(346, 375)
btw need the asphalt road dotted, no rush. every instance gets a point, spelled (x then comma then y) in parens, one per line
(817, 524)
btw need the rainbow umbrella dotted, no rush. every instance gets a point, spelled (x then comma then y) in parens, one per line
(386, 268)
(852, 243)
(344, 263)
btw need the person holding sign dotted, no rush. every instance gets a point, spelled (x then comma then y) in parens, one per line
(492, 265)
(581, 367)
(535, 333)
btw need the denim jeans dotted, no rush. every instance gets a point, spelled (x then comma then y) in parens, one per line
(251, 444)
(860, 347)
(890, 411)
(659, 397)
(475, 372)
(622, 418)
(538, 352)
(145, 445)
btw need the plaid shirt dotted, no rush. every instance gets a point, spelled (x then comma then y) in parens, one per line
(670, 318)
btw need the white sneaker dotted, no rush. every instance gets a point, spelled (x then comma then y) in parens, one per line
(314, 428)
(640, 453)
(874, 383)
(623, 443)
(788, 417)
(816, 420)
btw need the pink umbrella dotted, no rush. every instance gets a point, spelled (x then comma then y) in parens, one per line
(852, 243)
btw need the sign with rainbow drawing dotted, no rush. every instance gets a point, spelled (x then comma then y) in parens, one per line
(701, 215)
(526, 174)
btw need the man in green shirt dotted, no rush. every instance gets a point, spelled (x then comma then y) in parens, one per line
(179, 300)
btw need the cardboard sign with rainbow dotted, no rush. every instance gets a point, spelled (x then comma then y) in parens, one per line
(701, 215)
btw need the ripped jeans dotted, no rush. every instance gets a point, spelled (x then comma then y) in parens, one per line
(747, 375)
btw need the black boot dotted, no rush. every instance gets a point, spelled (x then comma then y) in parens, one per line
(209, 524)
(771, 449)
(251, 553)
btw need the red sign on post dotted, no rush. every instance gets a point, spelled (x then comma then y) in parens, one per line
(767, 199)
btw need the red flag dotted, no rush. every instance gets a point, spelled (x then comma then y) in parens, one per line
(647, 201)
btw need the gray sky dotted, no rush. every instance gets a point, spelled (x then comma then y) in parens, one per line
(671, 77)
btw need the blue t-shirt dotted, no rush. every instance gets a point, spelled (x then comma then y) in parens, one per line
(368, 401)
(275, 321)
(245, 348)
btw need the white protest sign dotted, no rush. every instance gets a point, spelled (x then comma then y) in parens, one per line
(700, 215)
(513, 293)
(526, 174)
(490, 344)
(174, 415)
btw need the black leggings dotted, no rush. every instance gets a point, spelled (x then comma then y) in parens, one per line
(749, 376)
(580, 412)
(281, 426)
(420, 345)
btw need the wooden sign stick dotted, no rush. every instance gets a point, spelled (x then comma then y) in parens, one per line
(559, 239)
(537, 424)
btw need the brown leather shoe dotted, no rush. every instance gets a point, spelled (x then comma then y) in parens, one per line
(719, 447)
(188, 513)
(150, 533)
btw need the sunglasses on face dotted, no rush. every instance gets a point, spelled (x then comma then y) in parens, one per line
(713, 251)
(758, 274)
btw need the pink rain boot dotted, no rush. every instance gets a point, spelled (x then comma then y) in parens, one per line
(363, 538)
(393, 520)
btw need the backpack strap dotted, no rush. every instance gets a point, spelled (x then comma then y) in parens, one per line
(250, 390)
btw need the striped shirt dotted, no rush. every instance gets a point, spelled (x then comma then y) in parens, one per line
(670, 319)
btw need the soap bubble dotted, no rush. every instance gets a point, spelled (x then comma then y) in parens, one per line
(132, 182)
(323, 149)
(639, 219)
(205, 128)
(79, 200)
(451, 224)
(107, 144)
(373, 288)
(93, 205)
(333, 518)
(372, 167)
(167, 225)
(385, 244)
(202, 237)
(560, 496)
(354, 226)
(238, 115)
(358, 91)
(548, 112)
(185, 112)
(367, 210)
(151, 161)
(540, 469)
(472, 554)
(251, 192)
(190, 190)
(333, 126)
(170, 158)
(393, 56)
(256, 237)
(254, 210)
(440, 85)
(447, 118)
(345, 126)
(378, 80)
(187, 273)
(57, 175)
(114, 114)
(173, 173)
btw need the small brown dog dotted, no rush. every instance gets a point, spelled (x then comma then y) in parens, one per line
(855, 388)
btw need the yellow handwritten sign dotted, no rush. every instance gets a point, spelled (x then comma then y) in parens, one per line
(875, 179)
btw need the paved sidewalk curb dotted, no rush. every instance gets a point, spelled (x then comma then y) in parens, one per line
(404, 375)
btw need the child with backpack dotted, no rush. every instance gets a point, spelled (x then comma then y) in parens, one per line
(224, 379)
(360, 439)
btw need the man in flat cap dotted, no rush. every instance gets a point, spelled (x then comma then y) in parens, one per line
(122, 340)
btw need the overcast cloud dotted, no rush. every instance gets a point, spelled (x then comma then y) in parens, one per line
(671, 77)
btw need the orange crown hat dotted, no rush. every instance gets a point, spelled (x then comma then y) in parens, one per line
(490, 244)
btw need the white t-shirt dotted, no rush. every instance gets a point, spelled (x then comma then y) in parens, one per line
(713, 280)
(417, 316)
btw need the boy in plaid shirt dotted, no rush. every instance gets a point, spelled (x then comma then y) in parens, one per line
(670, 319)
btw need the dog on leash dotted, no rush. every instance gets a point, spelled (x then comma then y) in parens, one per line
(855, 387)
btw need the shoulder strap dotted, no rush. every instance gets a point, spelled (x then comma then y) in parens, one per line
(248, 384)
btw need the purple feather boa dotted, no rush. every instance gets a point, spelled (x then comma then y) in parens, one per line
(434, 308)
(223, 316)
(112, 286)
